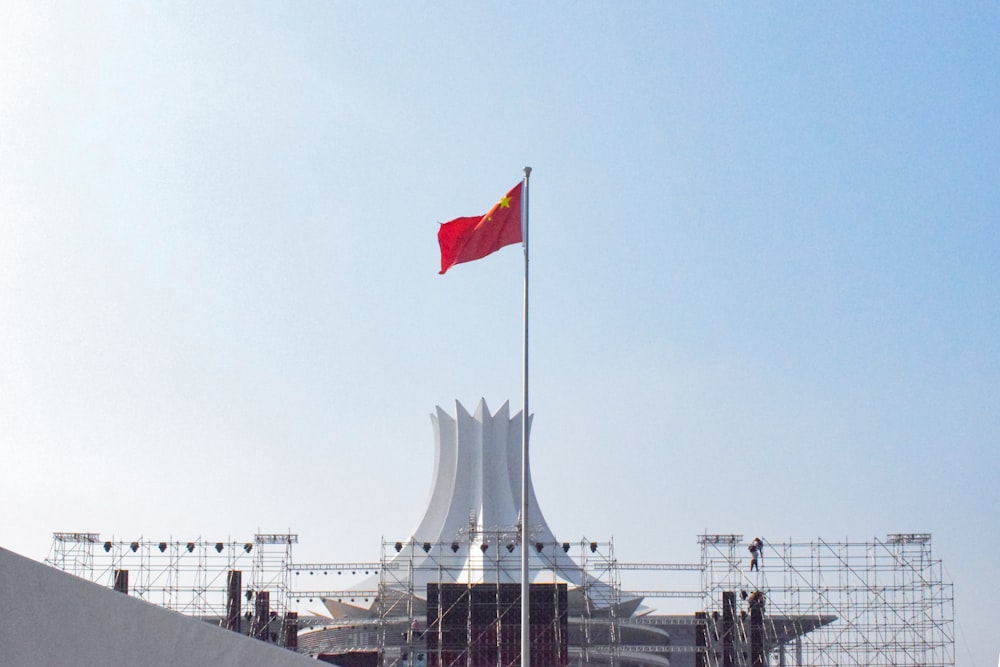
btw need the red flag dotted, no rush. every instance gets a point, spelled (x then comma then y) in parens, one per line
(466, 239)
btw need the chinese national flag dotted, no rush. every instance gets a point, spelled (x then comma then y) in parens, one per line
(466, 239)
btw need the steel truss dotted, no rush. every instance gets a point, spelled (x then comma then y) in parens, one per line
(191, 577)
(403, 622)
(874, 603)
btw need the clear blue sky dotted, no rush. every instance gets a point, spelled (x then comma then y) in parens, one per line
(765, 270)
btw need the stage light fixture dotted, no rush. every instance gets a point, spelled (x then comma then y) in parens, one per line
(247, 547)
(190, 547)
(249, 595)
(163, 547)
(218, 547)
(539, 546)
(565, 547)
(593, 547)
(484, 546)
(399, 547)
(427, 547)
(107, 547)
(454, 547)
(135, 547)
(510, 548)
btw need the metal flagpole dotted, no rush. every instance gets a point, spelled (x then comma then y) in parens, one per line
(525, 580)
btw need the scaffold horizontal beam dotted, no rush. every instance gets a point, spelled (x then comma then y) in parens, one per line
(682, 567)
(276, 538)
(86, 538)
(720, 539)
(660, 620)
(339, 595)
(646, 648)
(353, 568)
(664, 594)
(908, 538)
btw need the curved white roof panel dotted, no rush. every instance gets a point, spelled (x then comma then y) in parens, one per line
(469, 532)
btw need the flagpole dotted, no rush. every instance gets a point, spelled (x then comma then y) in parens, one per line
(525, 579)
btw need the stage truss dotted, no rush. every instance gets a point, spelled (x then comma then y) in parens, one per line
(877, 602)
(873, 603)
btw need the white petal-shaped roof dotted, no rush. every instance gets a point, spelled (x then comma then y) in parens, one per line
(469, 531)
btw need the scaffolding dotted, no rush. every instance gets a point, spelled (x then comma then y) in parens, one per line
(74, 553)
(201, 578)
(414, 622)
(873, 603)
(821, 603)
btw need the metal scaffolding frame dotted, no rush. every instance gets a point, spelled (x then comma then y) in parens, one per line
(873, 603)
(74, 553)
(600, 638)
(187, 576)
(876, 603)
(402, 623)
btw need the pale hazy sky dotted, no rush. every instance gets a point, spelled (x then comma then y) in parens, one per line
(765, 252)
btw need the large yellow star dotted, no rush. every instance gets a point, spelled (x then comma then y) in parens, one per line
(503, 203)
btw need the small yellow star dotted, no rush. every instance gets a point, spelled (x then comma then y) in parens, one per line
(504, 203)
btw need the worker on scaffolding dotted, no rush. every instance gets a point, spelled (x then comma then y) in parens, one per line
(756, 548)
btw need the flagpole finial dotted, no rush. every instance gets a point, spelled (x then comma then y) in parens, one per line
(527, 172)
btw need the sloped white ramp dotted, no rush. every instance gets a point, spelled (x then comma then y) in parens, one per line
(54, 618)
